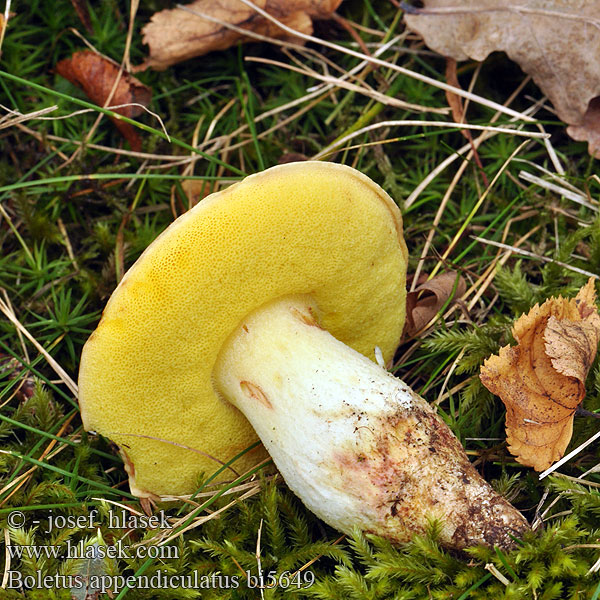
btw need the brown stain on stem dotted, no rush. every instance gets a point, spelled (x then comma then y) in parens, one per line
(308, 319)
(255, 392)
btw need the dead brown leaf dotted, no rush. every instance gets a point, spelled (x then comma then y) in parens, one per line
(427, 299)
(288, 157)
(81, 8)
(96, 74)
(174, 35)
(556, 41)
(196, 189)
(455, 102)
(542, 379)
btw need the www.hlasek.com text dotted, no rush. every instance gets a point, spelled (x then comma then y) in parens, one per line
(118, 550)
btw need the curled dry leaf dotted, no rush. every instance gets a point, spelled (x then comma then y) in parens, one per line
(427, 299)
(556, 41)
(174, 35)
(96, 75)
(542, 379)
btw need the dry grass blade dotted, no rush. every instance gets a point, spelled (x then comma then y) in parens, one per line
(341, 83)
(7, 555)
(15, 117)
(557, 189)
(442, 207)
(4, 23)
(414, 123)
(389, 65)
(442, 393)
(580, 480)
(17, 483)
(474, 210)
(569, 456)
(257, 554)
(496, 573)
(488, 275)
(211, 492)
(312, 561)
(109, 149)
(467, 148)
(224, 143)
(380, 49)
(64, 376)
(536, 256)
(595, 567)
(198, 521)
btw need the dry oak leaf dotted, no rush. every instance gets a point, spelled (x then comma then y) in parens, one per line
(195, 190)
(557, 42)
(96, 75)
(427, 299)
(542, 379)
(174, 35)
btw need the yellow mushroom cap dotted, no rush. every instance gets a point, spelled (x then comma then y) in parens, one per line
(145, 379)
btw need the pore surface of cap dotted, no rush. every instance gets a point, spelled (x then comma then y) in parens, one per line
(312, 228)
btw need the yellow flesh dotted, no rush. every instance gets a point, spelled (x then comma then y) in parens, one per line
(304, 228)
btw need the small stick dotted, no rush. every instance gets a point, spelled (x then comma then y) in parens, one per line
(581, 412)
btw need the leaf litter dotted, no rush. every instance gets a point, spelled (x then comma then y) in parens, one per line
(557, 42)
(174, 35)
(542, 380)
(426, 300)
(97, 76)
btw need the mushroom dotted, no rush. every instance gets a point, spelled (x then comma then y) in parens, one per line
(267, 299)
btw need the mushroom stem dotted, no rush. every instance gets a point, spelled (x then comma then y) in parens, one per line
(356, 444)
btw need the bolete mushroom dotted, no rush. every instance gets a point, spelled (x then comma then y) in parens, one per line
(267, 298)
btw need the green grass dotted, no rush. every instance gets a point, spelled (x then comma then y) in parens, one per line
(69, 230)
